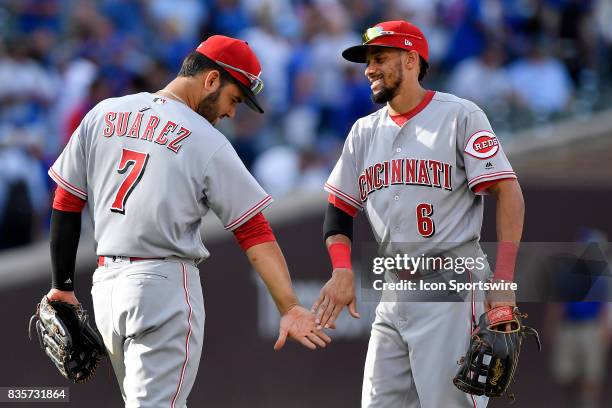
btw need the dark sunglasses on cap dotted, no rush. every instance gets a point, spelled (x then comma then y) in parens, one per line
(377, 31)
(256, 84)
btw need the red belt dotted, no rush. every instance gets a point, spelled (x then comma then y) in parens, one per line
(132, 259)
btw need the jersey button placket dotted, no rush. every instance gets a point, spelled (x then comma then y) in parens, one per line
(396, 228)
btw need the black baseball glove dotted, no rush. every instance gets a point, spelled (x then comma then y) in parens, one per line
(66, 335)
(491, 360)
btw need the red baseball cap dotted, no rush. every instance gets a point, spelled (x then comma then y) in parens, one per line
(394, 34)
(237, 59)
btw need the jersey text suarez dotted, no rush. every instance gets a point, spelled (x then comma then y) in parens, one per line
(150, 168)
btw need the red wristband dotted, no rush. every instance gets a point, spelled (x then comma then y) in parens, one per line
(506, 261)
(340, 255)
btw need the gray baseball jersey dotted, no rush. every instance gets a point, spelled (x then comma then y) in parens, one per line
(419, 179)
(150, 168)
(418, 183)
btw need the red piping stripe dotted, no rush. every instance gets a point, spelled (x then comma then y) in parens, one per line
(473, 306)
(343, 196)
(249, 212)
(66, 184)
(499, 173)
(180, 384)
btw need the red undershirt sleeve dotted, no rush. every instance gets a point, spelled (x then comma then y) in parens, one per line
(255, 231)
(68, 202)
(481, 187)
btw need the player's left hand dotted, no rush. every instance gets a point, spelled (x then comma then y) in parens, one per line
(299, 324)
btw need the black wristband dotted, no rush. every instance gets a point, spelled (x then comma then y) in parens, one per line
(337, 222)
(64, 237)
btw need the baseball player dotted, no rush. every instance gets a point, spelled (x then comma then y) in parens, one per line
(149, 167)
(418, 168)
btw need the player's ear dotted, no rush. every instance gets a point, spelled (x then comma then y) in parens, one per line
(411, 60)
(212, 81)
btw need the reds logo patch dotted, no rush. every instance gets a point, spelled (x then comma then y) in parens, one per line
(482, 145)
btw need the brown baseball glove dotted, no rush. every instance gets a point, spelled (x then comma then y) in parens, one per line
(65, 334)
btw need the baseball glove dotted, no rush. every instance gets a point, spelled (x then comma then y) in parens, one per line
(490, 364)
(68, 338)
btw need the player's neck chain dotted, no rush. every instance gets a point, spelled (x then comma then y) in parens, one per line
(173, 95)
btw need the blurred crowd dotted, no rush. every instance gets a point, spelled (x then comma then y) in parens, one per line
(524, 61)
(578, 325)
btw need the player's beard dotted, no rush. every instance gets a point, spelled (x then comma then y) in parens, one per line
(209, 107)
(389, 92)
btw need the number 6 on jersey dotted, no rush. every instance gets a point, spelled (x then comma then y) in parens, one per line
(138, 161)
(425, 223)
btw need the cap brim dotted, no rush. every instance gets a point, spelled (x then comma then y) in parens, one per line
(249, 97)
(357, 53)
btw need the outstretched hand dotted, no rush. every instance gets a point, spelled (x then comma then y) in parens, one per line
(299, 324)
(338, 292)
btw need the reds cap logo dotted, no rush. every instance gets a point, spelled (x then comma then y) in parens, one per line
(482, 145)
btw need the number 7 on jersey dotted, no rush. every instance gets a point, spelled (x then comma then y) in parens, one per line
(138, 161)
